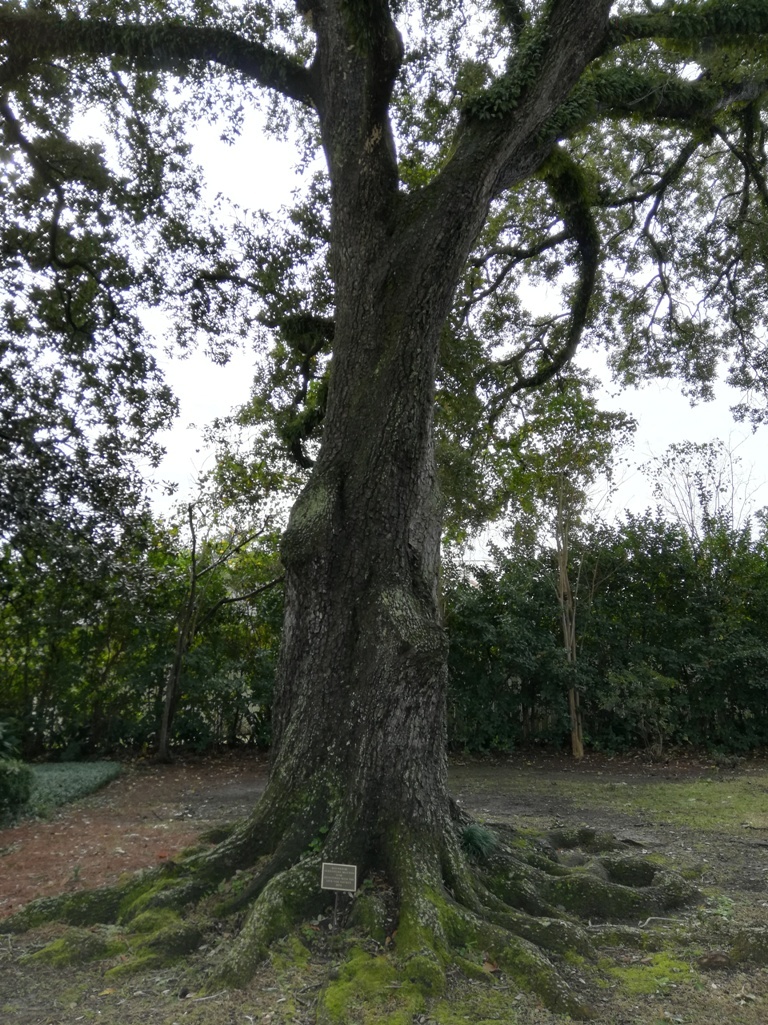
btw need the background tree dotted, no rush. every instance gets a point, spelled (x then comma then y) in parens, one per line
(617, 155)
(210, 559)
(566, 448)
(86, 644)
(702, 484)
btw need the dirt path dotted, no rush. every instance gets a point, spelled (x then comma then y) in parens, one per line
(151, 813)
(145, 816)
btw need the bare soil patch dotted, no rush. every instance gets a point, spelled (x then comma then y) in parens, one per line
(152, 813)
(146, 816)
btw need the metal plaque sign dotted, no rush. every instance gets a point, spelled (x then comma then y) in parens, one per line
(338, 877)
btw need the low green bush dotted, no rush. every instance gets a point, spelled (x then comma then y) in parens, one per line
(60, 782)
(16, 782)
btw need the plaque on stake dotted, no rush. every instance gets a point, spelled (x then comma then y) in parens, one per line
(338, 878)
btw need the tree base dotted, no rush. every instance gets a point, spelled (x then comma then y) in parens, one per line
(488, 903)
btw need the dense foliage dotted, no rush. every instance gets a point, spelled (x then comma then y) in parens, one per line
(672, 641)
(15, 787)
(85, 658)
(672, 638)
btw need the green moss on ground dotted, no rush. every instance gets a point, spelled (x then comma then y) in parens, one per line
(79, 946)
(370, 988)
(654, 973)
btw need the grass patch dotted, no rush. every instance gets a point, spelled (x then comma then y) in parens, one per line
(724, 805)
(60, 783)
(653, 974)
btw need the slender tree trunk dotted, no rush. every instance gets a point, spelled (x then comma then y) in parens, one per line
(185, 632)
(567, 602)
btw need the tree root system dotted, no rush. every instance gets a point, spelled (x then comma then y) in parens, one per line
(526, 905)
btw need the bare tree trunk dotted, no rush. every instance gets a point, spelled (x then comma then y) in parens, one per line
(185, 632)
(567, 601)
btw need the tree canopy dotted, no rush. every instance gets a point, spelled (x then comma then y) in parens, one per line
(637, 215)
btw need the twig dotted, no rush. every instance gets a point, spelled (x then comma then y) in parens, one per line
(199, 1000)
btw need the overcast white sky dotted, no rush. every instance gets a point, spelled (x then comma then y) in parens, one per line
(258, 171)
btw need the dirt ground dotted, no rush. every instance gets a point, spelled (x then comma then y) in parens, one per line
(144, 817)
(151, 813)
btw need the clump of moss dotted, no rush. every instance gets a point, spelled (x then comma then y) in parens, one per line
(78, 946)
(156, 937)
(651, 974)
(366, 987)
(84, 908)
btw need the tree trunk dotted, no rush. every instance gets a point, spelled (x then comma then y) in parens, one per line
(185, 632)
(567, 602)
(359, 717)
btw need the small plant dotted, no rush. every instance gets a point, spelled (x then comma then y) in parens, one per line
(316, 845)
(720, 907)
(477, 841)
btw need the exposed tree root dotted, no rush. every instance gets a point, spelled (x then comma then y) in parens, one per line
(469, 897)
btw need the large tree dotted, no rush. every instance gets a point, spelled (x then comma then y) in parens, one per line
(611, 154)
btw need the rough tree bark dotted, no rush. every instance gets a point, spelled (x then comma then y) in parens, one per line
(359, 715)
(360, 704)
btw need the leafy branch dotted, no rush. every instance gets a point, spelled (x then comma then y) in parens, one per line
(157, 46)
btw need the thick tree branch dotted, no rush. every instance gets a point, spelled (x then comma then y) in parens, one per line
(504, 136)
(359, 54)
(565, 181)
(552, 55)
(161, 46)
(698, 25)
(618, 92)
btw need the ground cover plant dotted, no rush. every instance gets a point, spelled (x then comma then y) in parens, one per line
(38, 789)
(57, 783)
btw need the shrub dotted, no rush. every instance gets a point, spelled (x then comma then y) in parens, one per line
(9, 746)
(15, 786)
